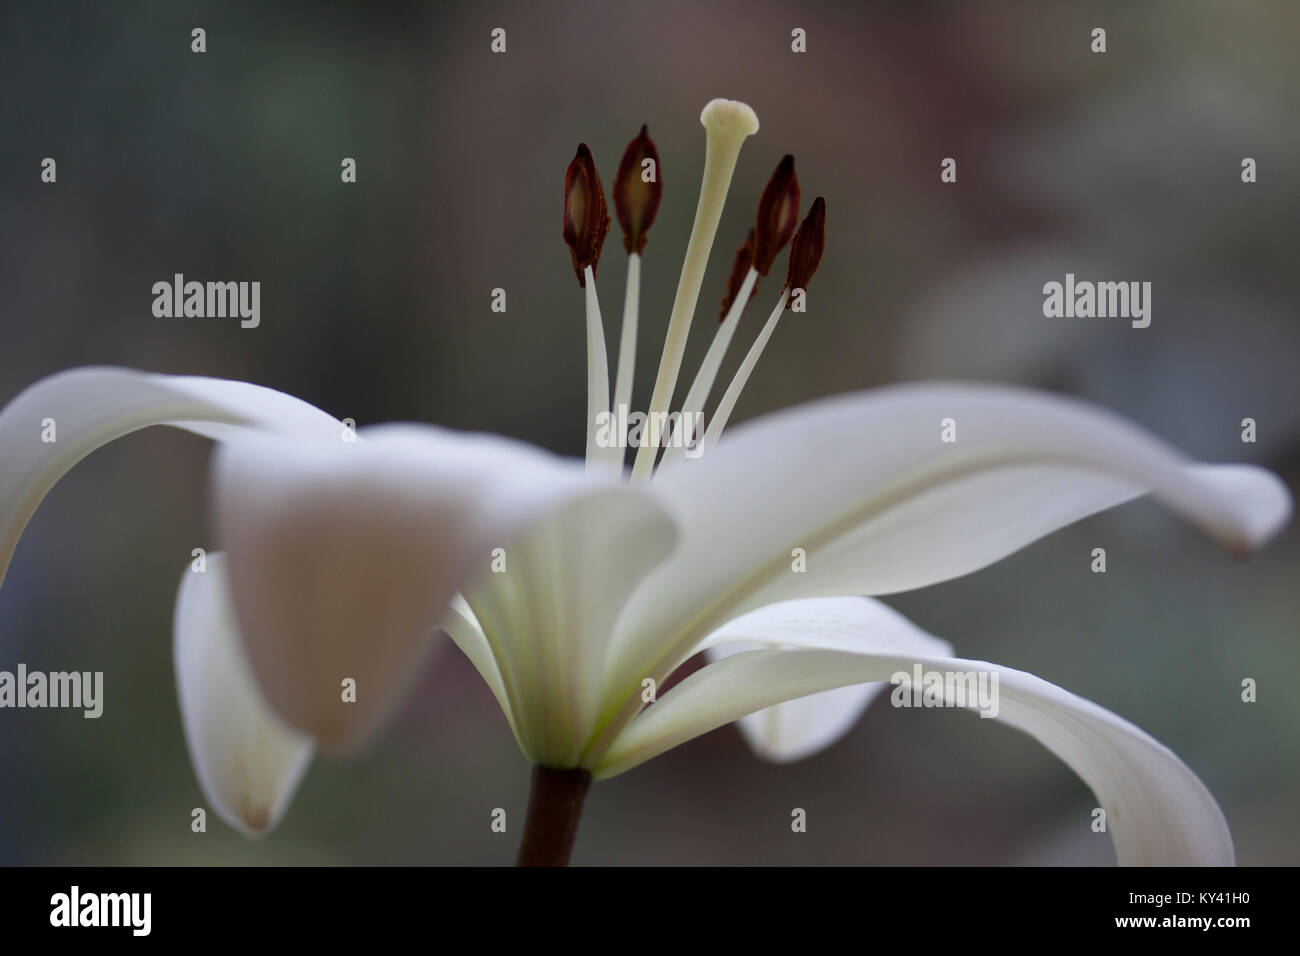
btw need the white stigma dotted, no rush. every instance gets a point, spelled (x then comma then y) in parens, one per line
(729, 118)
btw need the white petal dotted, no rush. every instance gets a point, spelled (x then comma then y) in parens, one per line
(551, 613)
(463, 628)
(799, 728)
(248, 763)
(85, 408)
(1158, 811)
(344, 558)
(880, 504)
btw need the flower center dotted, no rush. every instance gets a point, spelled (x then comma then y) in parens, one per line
(637, 193)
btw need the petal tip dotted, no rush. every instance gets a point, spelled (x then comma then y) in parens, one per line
(1260, 504)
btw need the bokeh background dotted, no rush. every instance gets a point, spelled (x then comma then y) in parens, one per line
(375, 300)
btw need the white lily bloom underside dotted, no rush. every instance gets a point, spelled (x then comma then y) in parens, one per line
(315, 522)
(570, 585)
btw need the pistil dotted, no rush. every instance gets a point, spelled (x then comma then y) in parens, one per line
(727, 123)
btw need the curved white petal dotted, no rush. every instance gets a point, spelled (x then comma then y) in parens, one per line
(344, 557)
(248, 763)
(1158, 811)
(802, 726)
(84, 408)
(551, 611)
(866, 485)
(465, 631)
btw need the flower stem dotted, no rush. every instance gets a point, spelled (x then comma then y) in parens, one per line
(554, 806)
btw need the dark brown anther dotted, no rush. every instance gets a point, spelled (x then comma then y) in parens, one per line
(806, 251)
(739, 269)
(636, 197)
(585, 217)
(778, 213)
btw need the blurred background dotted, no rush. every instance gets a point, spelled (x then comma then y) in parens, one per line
(376, 306)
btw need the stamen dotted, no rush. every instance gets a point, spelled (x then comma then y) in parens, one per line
(627, 338)
(740, 289)
(727, 403)
(597, 375)
(805, 255)
(727, 123)
(585, 218)
(586, 222)
(637, 192)
(740, 268)
(778, 214)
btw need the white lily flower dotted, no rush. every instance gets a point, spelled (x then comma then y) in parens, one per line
(576, 591)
